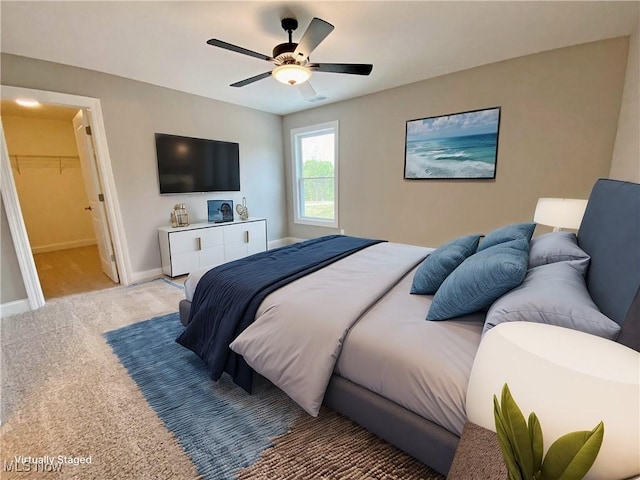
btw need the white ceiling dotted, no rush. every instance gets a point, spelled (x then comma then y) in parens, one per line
(48, 112)
(163, 43)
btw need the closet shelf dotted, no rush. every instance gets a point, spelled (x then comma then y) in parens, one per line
(61, 162)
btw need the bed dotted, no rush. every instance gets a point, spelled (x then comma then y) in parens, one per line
(372, 356)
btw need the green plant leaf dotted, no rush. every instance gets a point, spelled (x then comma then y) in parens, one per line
(571, 456)
(518, 433)
(505, 444)
(537, 442)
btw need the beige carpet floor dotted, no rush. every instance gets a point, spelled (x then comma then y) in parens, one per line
(71, 271)
(65, 393)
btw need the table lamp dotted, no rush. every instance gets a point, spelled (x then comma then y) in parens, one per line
(571, 380)
(560, 212)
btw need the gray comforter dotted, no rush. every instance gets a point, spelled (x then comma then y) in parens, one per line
(357, 319)
(298, 332)
(421, 365)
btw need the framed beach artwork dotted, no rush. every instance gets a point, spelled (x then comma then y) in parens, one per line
(459, 145)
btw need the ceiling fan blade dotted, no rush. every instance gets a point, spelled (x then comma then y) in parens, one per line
(247, 81)
(351, 68)
(307, 91)
(316, 32)
(234, 48)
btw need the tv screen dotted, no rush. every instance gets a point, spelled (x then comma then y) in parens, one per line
(187, 165)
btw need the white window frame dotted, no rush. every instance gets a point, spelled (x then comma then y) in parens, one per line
(298, 201)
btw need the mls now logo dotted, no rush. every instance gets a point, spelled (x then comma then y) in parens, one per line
(14, 466)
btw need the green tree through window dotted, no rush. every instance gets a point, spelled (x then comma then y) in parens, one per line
(319, 185)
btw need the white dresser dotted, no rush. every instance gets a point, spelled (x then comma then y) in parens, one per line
(185, 249)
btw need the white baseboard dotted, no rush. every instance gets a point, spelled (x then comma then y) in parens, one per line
(281, 242)
(14, 308)
(292, 240)
(54, 247)
(146, 275)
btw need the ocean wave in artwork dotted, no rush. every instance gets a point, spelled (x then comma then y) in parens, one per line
(471, 156)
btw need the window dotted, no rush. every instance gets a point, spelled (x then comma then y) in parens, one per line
(315, 163)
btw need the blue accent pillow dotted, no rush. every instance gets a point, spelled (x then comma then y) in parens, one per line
(480, 280)
(514, 231)
(441, 262)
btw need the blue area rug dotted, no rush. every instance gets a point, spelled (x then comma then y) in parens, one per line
(221, 427)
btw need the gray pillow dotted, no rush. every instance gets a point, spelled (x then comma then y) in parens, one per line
(558, 247)
(555, 294)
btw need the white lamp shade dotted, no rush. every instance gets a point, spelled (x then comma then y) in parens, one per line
(291, 74)
(560, 212)
(571, 380)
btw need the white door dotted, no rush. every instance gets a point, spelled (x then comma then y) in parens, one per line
(94, 191)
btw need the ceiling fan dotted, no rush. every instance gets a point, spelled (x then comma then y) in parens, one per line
(293, 66)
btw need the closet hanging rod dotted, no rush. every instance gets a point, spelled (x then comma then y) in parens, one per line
(56, 157)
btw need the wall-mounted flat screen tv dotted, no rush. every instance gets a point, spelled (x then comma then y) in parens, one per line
(190, 165)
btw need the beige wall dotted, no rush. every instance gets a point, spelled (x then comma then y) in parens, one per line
(52, 201)
(559, 115)
(626, 154)
(11, 284)
(133, 111)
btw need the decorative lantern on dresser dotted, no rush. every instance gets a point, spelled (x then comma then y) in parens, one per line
(179, 216)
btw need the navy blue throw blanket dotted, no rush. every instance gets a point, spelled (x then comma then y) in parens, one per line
(227, 297)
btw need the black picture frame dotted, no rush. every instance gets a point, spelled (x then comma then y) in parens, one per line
(455, 146)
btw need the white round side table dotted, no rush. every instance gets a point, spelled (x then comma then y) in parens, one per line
(571, 380)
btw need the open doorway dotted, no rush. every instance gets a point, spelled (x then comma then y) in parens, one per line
(108, 195)
(51, 157)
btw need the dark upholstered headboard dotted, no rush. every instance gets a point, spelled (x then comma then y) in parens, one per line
(610, 234)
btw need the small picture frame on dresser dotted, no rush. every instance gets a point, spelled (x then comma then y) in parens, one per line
(220, 211)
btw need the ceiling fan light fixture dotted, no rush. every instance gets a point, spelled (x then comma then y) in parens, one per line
(291, 74)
